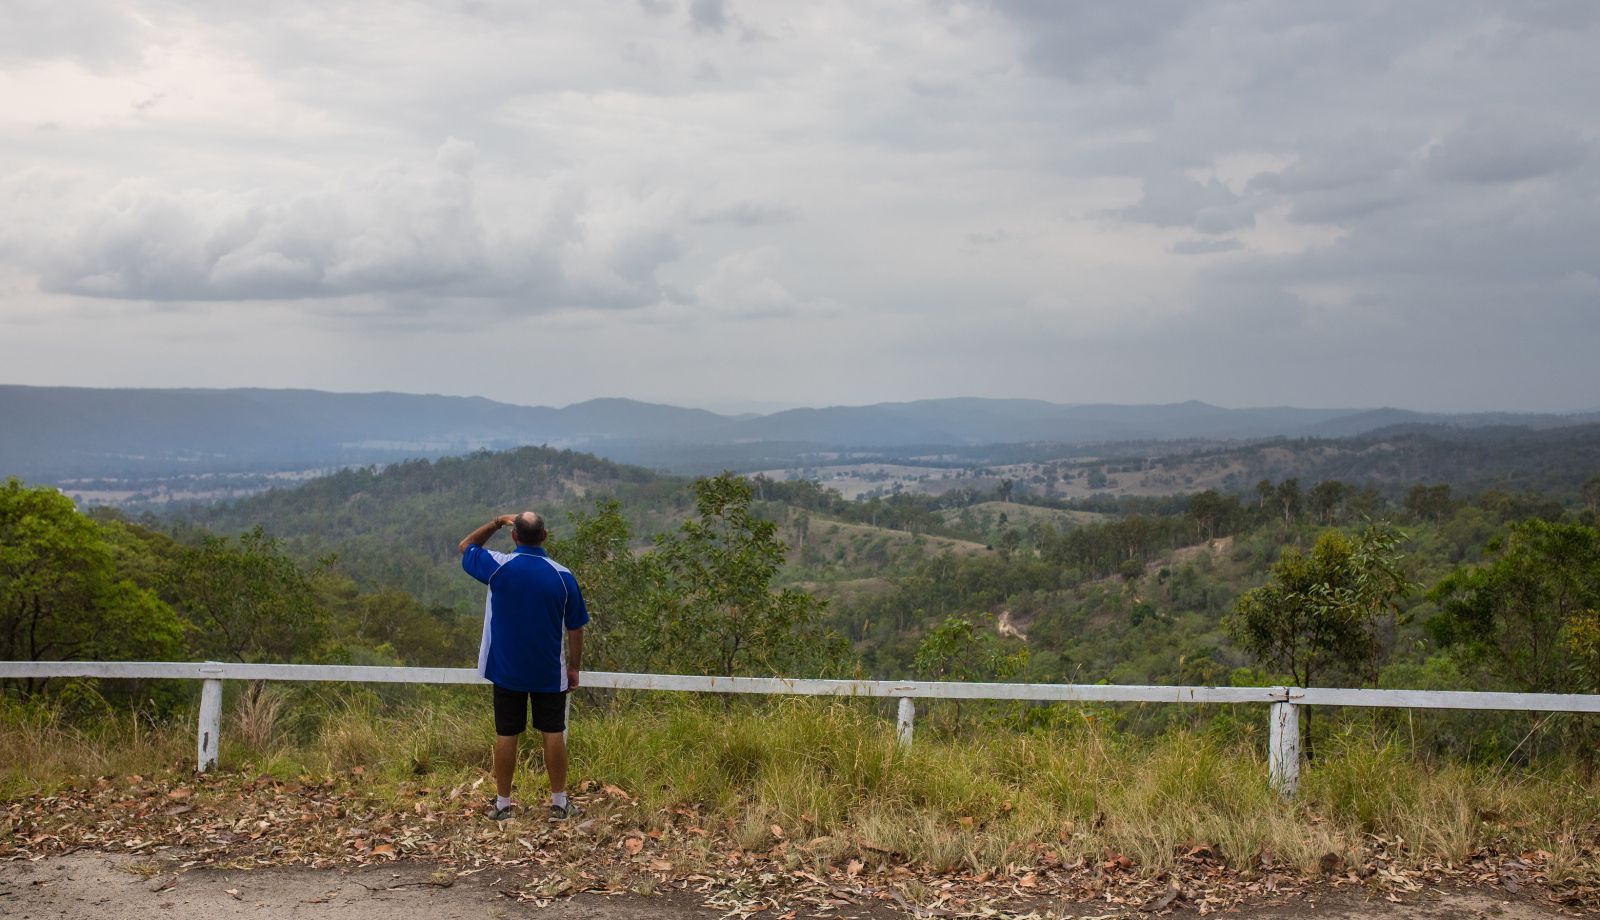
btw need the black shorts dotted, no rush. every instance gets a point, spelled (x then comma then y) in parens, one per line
(511, 711)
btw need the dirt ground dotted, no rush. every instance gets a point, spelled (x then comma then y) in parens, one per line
(113, 887)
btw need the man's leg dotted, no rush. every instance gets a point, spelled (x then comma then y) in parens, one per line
(550, 718)
(510, 720)
(505, 763)
(555, 761)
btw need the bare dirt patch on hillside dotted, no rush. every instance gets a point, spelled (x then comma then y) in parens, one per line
(1219, 548)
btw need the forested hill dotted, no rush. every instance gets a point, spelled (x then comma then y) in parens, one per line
(1555, 462)
(398, 526)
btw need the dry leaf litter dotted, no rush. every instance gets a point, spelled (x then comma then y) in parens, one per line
(340, 823)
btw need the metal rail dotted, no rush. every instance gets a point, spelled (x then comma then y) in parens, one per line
(1283, 744)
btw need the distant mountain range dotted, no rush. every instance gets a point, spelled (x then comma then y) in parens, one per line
(52, 433)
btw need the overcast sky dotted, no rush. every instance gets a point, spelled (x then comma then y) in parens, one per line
(740, 204)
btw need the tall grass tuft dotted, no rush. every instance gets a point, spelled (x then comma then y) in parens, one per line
(258, 716)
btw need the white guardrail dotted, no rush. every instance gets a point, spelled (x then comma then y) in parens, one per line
(1283, 742)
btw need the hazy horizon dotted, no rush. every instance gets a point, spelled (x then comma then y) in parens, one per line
(767, 408)
(747, 204)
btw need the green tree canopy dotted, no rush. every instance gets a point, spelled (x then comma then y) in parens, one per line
(619, 588)
(245, 599)
(61, 595)
(1316, 616)
(714, 606)
(958, 649)
(1514, 610)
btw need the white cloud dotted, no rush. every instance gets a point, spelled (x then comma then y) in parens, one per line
(743, 285)
(401, 228)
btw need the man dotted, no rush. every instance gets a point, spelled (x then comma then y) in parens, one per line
(532, 603)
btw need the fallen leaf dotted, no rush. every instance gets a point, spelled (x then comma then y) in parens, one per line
(234, 893)
(383, 849)
(777, 832)
(1165, 901)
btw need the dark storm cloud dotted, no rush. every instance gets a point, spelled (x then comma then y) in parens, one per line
(1342, 180)
(1176, 200)
(1088, 40)
(1506, 150)
(708, 15)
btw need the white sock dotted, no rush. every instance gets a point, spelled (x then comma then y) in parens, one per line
(502, 801)
(558, 799)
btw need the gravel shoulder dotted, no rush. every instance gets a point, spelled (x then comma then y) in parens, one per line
(103, 886)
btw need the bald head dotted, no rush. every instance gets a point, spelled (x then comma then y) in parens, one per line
(529, 529)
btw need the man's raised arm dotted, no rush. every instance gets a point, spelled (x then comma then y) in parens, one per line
(482, 534)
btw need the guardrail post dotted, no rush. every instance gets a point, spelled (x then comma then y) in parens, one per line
(1283, 745)
(210, 723)
(906, 721)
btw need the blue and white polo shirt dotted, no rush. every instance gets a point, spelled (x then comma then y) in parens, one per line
(532, 603)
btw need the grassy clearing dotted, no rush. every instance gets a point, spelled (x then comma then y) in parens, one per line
(830, 536)
(988, 513)
(829, 772)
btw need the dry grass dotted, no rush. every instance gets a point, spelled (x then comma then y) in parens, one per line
(258, 716)
(831, 773)
(42, 747)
